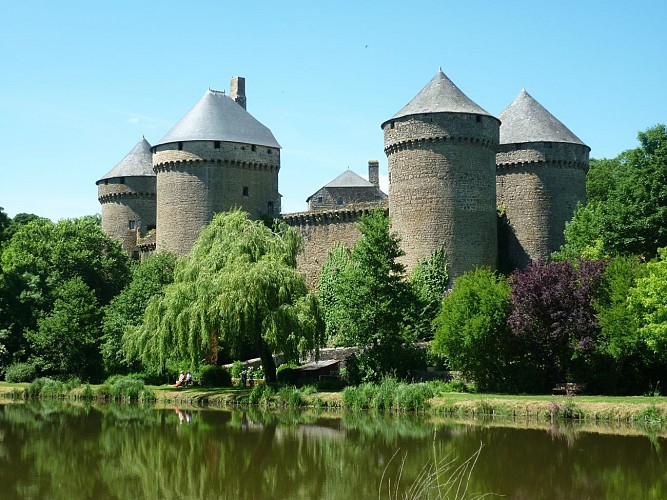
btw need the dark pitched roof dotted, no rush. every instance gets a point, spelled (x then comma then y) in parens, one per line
(217, 117)
(526, 120)
(137, 163)
(349, 179)
(440, 95)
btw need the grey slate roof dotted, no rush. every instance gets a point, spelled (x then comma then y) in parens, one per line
(349, 179)
(137, 163)
(526, 120)
(440, 95)
(217, 117)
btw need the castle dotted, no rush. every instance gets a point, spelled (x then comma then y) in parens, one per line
(451, 166)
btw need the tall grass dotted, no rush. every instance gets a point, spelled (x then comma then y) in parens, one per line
(445, 479)
(389, 394)
(120, 388)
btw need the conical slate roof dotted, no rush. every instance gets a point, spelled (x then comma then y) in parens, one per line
(137, 163)
(526, 120)
(440, 95)
(217, 117)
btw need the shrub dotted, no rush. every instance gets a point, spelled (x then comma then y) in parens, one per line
(45, 387)
(290, 396)
(261, 394)
(237, 368)
(285, 373)
(215, 376)
(413, 397)
(120, 387)
(20, 372)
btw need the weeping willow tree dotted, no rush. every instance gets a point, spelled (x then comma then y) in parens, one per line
(238, 286)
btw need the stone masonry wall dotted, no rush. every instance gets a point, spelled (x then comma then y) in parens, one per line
(200, 180)
(539, 185)
(321, 232)
(134, 200)
(442, 190)
(346, 195)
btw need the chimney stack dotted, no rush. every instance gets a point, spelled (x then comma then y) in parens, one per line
(237, 90)
(374, 172)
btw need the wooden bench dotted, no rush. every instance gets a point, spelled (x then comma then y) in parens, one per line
(569, 388)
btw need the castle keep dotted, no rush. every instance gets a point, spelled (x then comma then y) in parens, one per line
(451, 165)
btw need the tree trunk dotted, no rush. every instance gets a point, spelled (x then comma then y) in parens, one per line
(267, 362)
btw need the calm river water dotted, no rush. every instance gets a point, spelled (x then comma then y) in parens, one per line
(69, 452)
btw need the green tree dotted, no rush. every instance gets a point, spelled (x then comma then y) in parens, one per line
(40, 257)
(471, 329)
(430, 279)
(5, 221)
(627, 206)
(67, 338)
(372, 301)
(126, 311)
(238, 286)
(330, 293)
(648, 300)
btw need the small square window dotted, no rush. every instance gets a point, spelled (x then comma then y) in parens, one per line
(246, 191)
(132, 224)
(339, 201)
(268, 151)
(319, 199)
(216, 144)
(121, 180)
(479, 118)
(254, 148)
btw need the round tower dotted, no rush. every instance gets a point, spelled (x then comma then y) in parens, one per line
(441, 151)
(127, 194)
(217, 157)
(541, 176)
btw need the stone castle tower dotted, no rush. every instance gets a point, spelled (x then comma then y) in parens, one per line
(441, 150)
(541, 176)
(450, 165)
(127, 194)
(217, 157)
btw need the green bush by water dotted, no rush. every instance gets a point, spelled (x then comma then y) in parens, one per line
(389, 394)
(124, 388)
(20, 372)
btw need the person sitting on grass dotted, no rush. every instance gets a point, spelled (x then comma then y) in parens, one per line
(181, 379)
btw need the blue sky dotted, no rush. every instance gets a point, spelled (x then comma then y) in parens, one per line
(81, 82)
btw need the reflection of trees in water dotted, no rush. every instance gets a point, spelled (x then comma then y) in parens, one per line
(132, 451)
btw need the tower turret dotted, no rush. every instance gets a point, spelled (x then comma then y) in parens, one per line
(217, 157)
(127, 194)
(441, 152)
(541, 176)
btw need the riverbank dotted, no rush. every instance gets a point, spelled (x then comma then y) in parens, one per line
(544, 408)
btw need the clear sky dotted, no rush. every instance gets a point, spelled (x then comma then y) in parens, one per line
(81, 82)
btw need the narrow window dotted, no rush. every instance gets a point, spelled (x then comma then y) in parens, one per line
(479, 118)
(254, 148)
(270, 208)
(180, 146)
(106, 182)
(246, 191)
(339, 201)
(216, 144)
(121, 180)
(132, 225)
(268, 151)
(319, 199)
(391, 125)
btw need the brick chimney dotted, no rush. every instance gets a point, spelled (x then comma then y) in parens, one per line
(374, 172)
(237, 90)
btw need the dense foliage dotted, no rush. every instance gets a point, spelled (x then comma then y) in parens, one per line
(126, 311)
(54, 278)
(627, 203)
(430, 279)
(366, 302)
(238, 286)
(472, 332)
